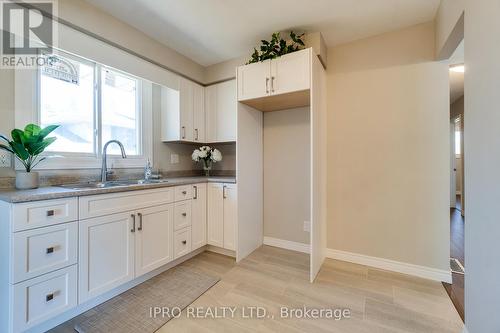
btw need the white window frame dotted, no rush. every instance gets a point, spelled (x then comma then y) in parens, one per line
(27, 102)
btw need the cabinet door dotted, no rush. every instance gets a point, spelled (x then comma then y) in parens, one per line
(211, 113)
(291, 72)
(254, 80)
(199, 216)
(215, 223)
(198, 113)
(154, 238)
(186, 110)
(226, 111)
(230, 216)
(106, 254)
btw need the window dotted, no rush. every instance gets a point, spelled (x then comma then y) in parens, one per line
(69, 103)
(93, 104)
(457, 143)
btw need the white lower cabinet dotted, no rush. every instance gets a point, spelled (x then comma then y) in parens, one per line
(55, 262)
(153, 245)
(222, 215)
(199, 216)
(106, 256)
(215, 222)
(182, 242)
(41, 298)
(230, 215)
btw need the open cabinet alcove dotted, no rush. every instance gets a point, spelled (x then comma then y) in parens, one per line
(292, 84)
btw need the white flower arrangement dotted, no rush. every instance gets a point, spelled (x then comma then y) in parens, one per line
(207, 155)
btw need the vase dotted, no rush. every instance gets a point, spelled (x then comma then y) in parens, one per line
(27, 180)
(207, 166)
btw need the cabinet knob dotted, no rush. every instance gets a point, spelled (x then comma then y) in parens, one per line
(184, 192)
(184, 242)
(51, 212)
(184, 214)
(49, 250)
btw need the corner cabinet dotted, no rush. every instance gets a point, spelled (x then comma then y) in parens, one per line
(287, 79)
(222, 215)
(221, 111)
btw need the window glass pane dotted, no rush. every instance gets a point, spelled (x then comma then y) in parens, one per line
(457, 143)
(67, 99)
(120, 120)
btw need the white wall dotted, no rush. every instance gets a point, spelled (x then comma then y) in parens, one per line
(286, 174)
(388, 148)
(94, 20)
(482, 165)
(448, 33)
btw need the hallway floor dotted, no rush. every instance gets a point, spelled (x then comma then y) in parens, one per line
(456, 289)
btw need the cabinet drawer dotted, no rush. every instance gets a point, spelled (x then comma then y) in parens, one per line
(44, 213)
(183, 192)
(182, 242)
(107, 204)
(39, 251)
(41, 298)
(182, 214)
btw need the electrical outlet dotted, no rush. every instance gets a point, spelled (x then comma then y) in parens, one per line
(174, 159)
(5, 159)
(307, 226)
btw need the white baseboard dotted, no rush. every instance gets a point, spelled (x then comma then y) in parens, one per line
(391, 265)
(285, 244)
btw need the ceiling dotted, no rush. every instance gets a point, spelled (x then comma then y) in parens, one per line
(212, 31)
(457, 79)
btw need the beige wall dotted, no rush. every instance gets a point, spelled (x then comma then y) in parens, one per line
(448, 33)
(6, 108)
(90, 18)
(286, 168)
(482, 165)
(388, 148)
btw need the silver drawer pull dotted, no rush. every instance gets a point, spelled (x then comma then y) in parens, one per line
(50, 250)
(184, 214)
(184, 242)
(51, 212)
(184, 192)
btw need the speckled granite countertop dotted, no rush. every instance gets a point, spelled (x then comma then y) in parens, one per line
(55, 192)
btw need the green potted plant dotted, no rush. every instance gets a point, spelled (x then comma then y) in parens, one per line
(27, 145)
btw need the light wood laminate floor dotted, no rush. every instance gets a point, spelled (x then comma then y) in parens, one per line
(379, 301)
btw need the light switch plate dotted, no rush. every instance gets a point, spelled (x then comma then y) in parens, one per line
(5, 159)
(174, 158)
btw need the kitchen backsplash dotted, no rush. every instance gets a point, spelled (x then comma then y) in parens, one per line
(162, 163)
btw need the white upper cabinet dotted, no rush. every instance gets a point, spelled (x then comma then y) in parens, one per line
(183, 113)
(198, 113)
(263, 85)
(290, 73)
(254, 80)
(221, 111)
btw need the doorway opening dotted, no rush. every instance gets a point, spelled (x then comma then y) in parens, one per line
(457, 185)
